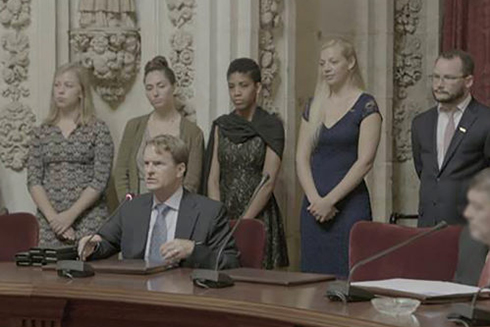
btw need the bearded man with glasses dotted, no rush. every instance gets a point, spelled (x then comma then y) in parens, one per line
(450, 144)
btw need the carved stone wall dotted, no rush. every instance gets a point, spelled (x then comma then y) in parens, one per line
(108, 45)
(270, 24)
(416, 46)
(181, 14)
(16, 118)
(408, 72)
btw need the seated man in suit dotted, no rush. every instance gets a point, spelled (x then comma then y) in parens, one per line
(169, 223)
(477, 213)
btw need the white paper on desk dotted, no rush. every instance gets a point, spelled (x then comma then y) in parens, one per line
(422, 287)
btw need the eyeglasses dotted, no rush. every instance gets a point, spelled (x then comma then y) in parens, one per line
(445, 78)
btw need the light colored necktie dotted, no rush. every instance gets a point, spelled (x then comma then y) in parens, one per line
(159, 234)
(449, 131)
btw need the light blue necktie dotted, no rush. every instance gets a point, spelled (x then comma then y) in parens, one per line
(159, 234)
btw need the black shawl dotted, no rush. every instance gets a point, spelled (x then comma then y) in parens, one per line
(268, 126)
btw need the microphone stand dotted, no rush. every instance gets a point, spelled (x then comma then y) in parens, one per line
(345, 292)
(469, 314)
(214, 278)
(79, 268)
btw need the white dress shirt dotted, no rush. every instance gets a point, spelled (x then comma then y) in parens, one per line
(173, 202)
(443, 120)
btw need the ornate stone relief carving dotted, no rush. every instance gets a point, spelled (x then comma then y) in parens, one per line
(15, 13)
(270, 22)
(108, 45)
(402, 118)
(16, 118)
(181, 14)
(408, 71)
(16, 124)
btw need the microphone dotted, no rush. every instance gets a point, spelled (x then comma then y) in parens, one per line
(345, 292)
(79, 268)
(213, 278)
(469, 314)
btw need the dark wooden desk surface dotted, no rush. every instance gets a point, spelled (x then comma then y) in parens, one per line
(32, 297)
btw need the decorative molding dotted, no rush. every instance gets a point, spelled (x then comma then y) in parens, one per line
(270, 23)
(408, 64)
(108, 44)
(408, 72)
(16, 118)
(408, 57)
(181, 14)
(402, 116)
(16, 124)
(15, 13)
(15, 65)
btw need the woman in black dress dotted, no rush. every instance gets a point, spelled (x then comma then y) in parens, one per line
(243, 146)
(337, 143)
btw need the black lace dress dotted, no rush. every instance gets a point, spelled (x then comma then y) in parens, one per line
(241, 166)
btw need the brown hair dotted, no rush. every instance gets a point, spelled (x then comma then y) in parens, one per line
(177, 148)
(161, 64)
(466, 60)
(87, 111)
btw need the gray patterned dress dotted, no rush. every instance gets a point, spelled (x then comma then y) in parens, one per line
(67, 166)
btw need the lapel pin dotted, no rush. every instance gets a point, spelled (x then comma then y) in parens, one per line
(462, 130)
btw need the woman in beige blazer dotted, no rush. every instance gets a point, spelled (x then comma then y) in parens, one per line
(165, 119)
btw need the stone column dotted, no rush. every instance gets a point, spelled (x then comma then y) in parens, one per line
(417, 32)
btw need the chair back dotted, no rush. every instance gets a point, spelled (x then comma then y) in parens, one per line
(18, 232)
(433, 257)
(250, 239)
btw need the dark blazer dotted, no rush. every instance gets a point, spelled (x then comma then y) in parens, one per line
(471, 259)
(200, 219)
(442, 194)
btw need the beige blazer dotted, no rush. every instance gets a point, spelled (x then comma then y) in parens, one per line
(126, 170)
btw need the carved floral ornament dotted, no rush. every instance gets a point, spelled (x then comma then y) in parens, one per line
(181, 14)
(16, 118)
(406, 15)
(16, 124)
(15, 64)
(408, 64)
(270, 21)
(402, 118)
(15, 13)
(407, 73)
(108, 45)
(180, 11)
(113, 58)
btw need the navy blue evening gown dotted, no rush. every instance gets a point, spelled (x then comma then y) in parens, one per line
(325, 246)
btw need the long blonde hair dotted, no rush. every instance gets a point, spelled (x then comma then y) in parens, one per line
(87, 111)
(322, 91)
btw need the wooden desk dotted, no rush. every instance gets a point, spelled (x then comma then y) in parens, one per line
(32, 297)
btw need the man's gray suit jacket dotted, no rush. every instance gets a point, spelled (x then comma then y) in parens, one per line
(200, 219)
(442, 194)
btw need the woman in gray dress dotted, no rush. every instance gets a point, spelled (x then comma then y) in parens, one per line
(69, 163)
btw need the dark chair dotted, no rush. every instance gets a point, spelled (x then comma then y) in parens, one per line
(250, 238)
(18, 232)
(433, 257)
